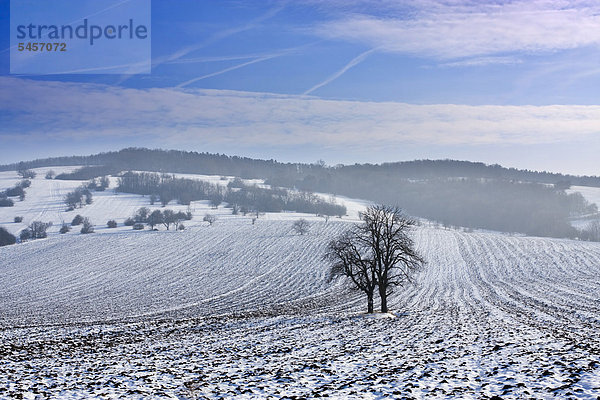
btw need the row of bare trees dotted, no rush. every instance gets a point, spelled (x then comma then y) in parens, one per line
(377, 254)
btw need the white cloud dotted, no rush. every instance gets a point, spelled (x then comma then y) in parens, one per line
(449, 30)
(57, 110)
(482, 61)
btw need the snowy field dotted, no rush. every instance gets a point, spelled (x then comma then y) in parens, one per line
(44, 201)
(591, 194)
(237, 310)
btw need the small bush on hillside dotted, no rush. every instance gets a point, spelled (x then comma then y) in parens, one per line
(78, 220)
(87, 227)
(4, 202)
(26, 173)
(301, 226)
(129, 222)
(78, 198)
(64, 228)
(18, 219)
(15, 191)
(112, 223)
(25, 235)
(181, 227)
(50, 174)
(138, 226)
(209, 218)
(38, 229)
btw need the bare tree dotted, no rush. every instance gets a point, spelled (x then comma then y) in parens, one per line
(87, 226)
(169, 217)
(26, 173)
(386, 232)
(178, 218)
(376, 253)
(350, 260)
(210, 219)
(155, 218)
(142, 214)
(301, 226)
(593, 229)
(38, 229)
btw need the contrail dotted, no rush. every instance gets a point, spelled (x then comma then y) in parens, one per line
(357, 60)
(214, 38)
(226, 70)
(256, 59)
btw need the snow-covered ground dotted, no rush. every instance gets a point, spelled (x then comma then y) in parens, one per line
(44, 201)
(237, 310)
(591, 194)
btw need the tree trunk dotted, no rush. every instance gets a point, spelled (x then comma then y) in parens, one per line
(383, 296)
(370, 308)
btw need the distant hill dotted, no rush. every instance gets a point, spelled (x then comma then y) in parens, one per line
(219, 164)
(454, 193)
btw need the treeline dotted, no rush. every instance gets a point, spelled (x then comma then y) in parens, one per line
(316, 174)
(88, 173)
(452, 192)
(239, 196)
(529, 208)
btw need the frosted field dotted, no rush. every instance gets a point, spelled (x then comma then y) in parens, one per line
(591, 194)
(237, 310)
(44, 201)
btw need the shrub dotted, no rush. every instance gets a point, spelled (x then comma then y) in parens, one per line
(104, 183)
(112, 223)
(138, 226)
(181, 227)
(15, 191)
(18, 219)
(301, 226)
(50, 174)
(6, 238)
(64, 228)
(209, 218)
(25, 235)
(6, 203)
(78, 220)
(87, 226)
(26, 173)
(78, 197)
(25, 183)
(38, 229)
(129, 222)
(141, 214)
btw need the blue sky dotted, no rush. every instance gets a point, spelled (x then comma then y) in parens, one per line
(512, 82)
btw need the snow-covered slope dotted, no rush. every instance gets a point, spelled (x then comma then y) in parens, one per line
(231, 266)
(591, 194)
(238, 310)
(44, 201)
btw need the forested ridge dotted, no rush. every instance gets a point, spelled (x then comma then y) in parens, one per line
(454, 193)
(310, 174)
